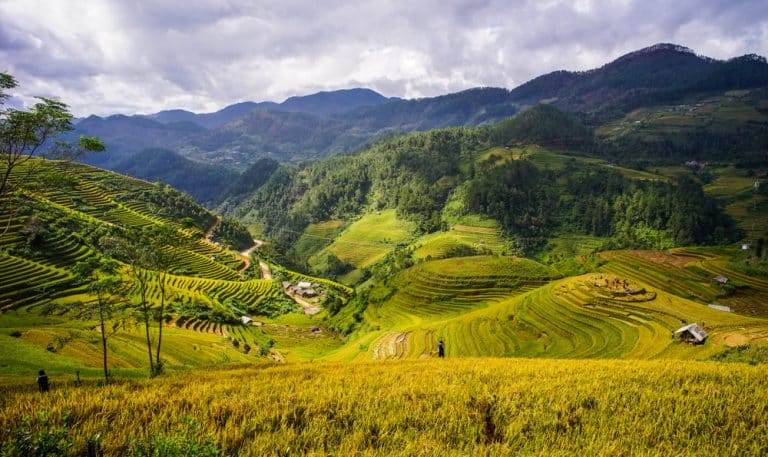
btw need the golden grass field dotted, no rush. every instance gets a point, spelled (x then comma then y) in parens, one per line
(486, 407)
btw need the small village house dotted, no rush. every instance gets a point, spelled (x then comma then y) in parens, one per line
(303, 289)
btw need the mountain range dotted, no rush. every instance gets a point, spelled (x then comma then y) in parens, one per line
(319, 104)
(332, 123)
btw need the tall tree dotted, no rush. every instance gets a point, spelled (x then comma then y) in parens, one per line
(133, 247)
(107, 291)
(164, 241)
(100, 273)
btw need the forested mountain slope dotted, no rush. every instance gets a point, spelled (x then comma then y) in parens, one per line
(657, 74)
(439, 177)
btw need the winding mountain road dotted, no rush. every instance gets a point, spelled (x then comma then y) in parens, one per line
(246, 254)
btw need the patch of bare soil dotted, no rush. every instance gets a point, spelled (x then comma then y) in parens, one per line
(736, 340)
(664, 257)
(747, 301)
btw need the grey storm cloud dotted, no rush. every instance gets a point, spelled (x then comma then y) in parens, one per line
(107, 56)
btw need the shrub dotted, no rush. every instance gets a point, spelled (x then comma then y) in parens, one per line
(186, 442)
(38, 438)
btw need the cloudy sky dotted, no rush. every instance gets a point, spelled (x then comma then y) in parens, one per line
(141, 56)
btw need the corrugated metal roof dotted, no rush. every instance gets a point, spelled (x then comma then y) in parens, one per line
(695, 330)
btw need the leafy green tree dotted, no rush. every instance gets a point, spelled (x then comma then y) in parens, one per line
(25, 134)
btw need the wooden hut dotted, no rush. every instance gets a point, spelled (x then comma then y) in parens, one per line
(691, 333)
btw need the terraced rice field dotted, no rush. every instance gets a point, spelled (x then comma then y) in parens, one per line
(729, 182)
(39, 283)
(501, 154)
(722, 112)
(689, 273)
(545, 159)
(205, 261)
(372, 237)
(26, 283)
(317, 236)
(628, 310)
(751, 216)
(439, 244)
(736, 189)
(446, 289)
(188, 289)
(664, 271)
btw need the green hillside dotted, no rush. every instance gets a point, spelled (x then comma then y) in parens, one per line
(70, 227)
(529, 193)
(425, 227)
(726, 126)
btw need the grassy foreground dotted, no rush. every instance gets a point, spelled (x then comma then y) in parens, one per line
(428, 407)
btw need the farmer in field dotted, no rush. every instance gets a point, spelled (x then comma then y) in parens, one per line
(440, 349)
(42, 381)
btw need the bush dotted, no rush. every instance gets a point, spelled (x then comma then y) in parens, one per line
(186, 442)
(38, 438)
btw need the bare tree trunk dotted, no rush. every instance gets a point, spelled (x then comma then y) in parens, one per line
(149, 340)
(103, 338)
(145, 311)
(160, 321)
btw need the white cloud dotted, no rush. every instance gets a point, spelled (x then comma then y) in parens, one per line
(106, 56)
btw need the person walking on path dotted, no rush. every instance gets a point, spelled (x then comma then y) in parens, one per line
(42, 381)
(440, 349)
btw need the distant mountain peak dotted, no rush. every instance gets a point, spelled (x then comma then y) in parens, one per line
(338, 92)
(749, 58)
(665, 47)
(659, 49)
(334, 102)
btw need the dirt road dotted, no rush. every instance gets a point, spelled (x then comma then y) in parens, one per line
(246, 255)
(212, 227)
(266, 273)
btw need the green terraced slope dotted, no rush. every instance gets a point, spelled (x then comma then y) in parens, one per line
(57, 224)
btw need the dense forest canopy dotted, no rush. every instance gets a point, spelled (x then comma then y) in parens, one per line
(418, 173)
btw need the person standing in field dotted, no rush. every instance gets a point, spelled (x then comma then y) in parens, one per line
(42, 381)
(440, 349)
